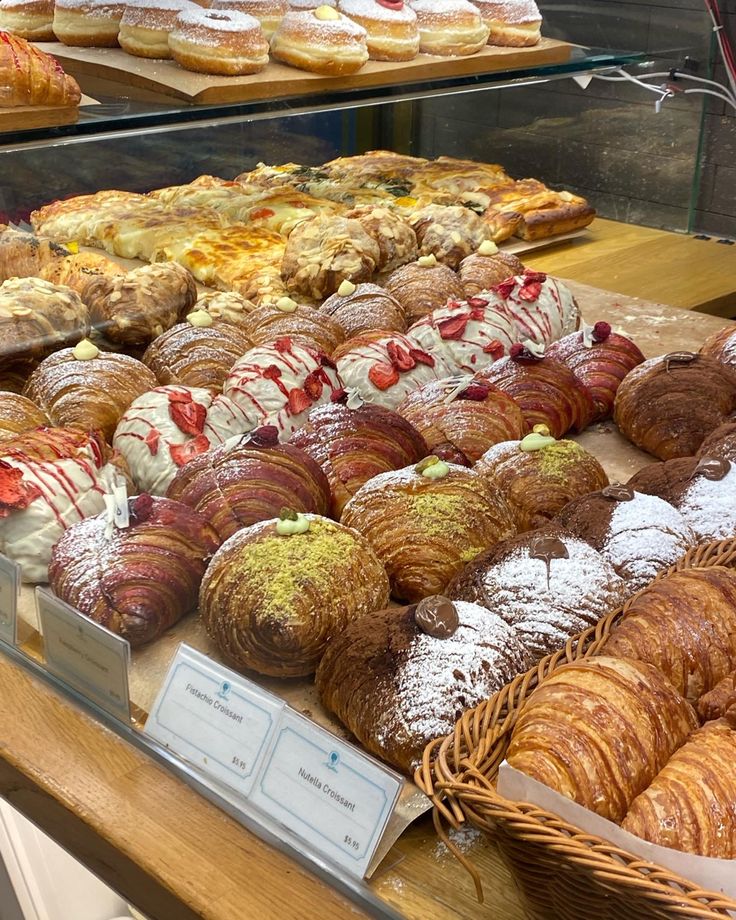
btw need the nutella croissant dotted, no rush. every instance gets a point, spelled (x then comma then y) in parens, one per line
(276, 593)
(667, 405)
(137, 580)
(486, 268)
(460, 419)
(248, 479)
(598, 732)
(691, 804)
(426, 522)
(23, 254)
(399, 678)
(721, 442)
(19, 414)
(685, 626)
(363, 308)
(80, 269)
(311, 327)
(87, 388)
(131, 310)
(423, 286)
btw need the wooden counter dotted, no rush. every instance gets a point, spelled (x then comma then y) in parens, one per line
(176, 856)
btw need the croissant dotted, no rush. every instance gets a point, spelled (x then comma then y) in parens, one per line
(598, 732)
(79, 269)
(667, 405)
(398, 678)
(479, 273)
(131, 310)
(18, 414)
(28, 76)
(547, 584)
(354, 445)
(426, 522)
(600, 359)
(448, 233)
(250, 479)
(640, 535)
(226, 306)
(720, 701)
(685, 626)
(363, 308)
(721, 346)
(89, 393)
(691, 804)
(305, 324)
(23, 254)
(460, 420)
(139, 580)
(421, 287)
(721, 442)
(547, 392)
(196, 356)
(542, 308)
(275, 595)
(397, 242)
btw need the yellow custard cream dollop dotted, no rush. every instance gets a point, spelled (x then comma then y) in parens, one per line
(199, 318)
(85, 350)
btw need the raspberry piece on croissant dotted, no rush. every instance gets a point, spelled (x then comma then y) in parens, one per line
(29, 76)
(479, 273)
(139, 580)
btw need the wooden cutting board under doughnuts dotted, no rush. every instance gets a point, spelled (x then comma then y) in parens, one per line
(278, 81)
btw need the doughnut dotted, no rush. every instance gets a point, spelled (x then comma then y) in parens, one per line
(217, 41)
(88, 23)
(450, 28)
(145, 27)
(513, 23)
(29, 19)
(268, 12)
(322, 41)
(309, 4)
(393, 33)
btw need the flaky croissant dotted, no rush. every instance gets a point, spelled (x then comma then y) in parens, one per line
(480, 273)
(79, 269)
(598, 732)
(363, 308)
(273, 597)
(19, 414)
(421, 288)
(305, 324)
(23, 254)
(720, 701)
(29, 76)
(139, 580)
(721, 346)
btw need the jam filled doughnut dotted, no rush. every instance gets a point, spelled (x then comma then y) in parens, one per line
(219, 42)
(88, 23)
(29, 19)
(268, 12)
(451, 28)
(321, 41)
(146, 24)
(393, 33)
(513, 23)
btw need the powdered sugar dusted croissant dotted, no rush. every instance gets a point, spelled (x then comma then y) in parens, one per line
(23, 254)
(600, 359)
(423, 286)
(276, 593)
(139, 580)
(448, 233)
(465, 336)
(167, 427)
(383, 367)
(479, 272)
(460, 419)
(721, 346)
(547, 391)
(354, 445)
(363, 308)
(303, 324)
(281, 382)
(426, 522)
(668, 405)
(19, 414)
(225, 306)
(250, 478)
(542, 308)
(49, 480)
(430, 675)
(720, 701)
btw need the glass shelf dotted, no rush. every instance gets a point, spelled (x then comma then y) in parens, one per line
(122, 113)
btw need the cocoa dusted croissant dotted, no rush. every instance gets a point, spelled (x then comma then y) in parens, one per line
(29, 76)
(18, 414)
(275, 594)
(691, 804)
(250, 479)
(138, 580)
(685, 626)
(668, 405)
(598, 732)
(23, 254)
(426, 522)
(131, 310)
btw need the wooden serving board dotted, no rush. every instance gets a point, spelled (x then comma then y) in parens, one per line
(278, 81)
(26, 117)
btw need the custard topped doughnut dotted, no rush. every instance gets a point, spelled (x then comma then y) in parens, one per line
(393, 33)
(88, 23)
(268, 12)
(29, 19)
(219, 42)
(451, 28)
(513, 23)
(145, 26)
(321, 41)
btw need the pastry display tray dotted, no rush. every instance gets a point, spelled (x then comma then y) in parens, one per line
(279, 81)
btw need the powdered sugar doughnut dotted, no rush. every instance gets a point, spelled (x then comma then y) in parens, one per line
(268, 12)
(513, 23)
(280, 383)
(218, 42)
(146, 24)
(88, 23)
(393, 32)
(166, 427)
(542, 308)
(451, 28)
(29, 19)
(320, 40)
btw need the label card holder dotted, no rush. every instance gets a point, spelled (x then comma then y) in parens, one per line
(10, 578)
(216, 719)
(85, 655)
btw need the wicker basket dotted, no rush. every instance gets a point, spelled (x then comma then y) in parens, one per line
(564, 873)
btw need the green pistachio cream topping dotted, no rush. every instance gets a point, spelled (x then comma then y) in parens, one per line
(291, 522)
(432, 468)
(538, 439)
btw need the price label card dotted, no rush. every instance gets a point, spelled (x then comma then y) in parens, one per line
(84, 654)
(326, 792)
(214, 718)
(9, 592)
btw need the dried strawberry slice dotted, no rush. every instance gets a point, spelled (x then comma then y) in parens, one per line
(142, 506)
(188, 417)
(339, 395)
(151, 441)
(530, 291)
(477, 302)
(265, 436)
(282, 344)
(601, 331)
(478, 314)
(421, 357)
(530, 275)
(313, 385)
(505, 288)
(476, 391)
(272, 372)
(452, 328)
(400, 357)
(179, 396)
(453, 304)
(183, 453)
(15, 495)
(383, 375)
(494, 348)
(298, 401)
